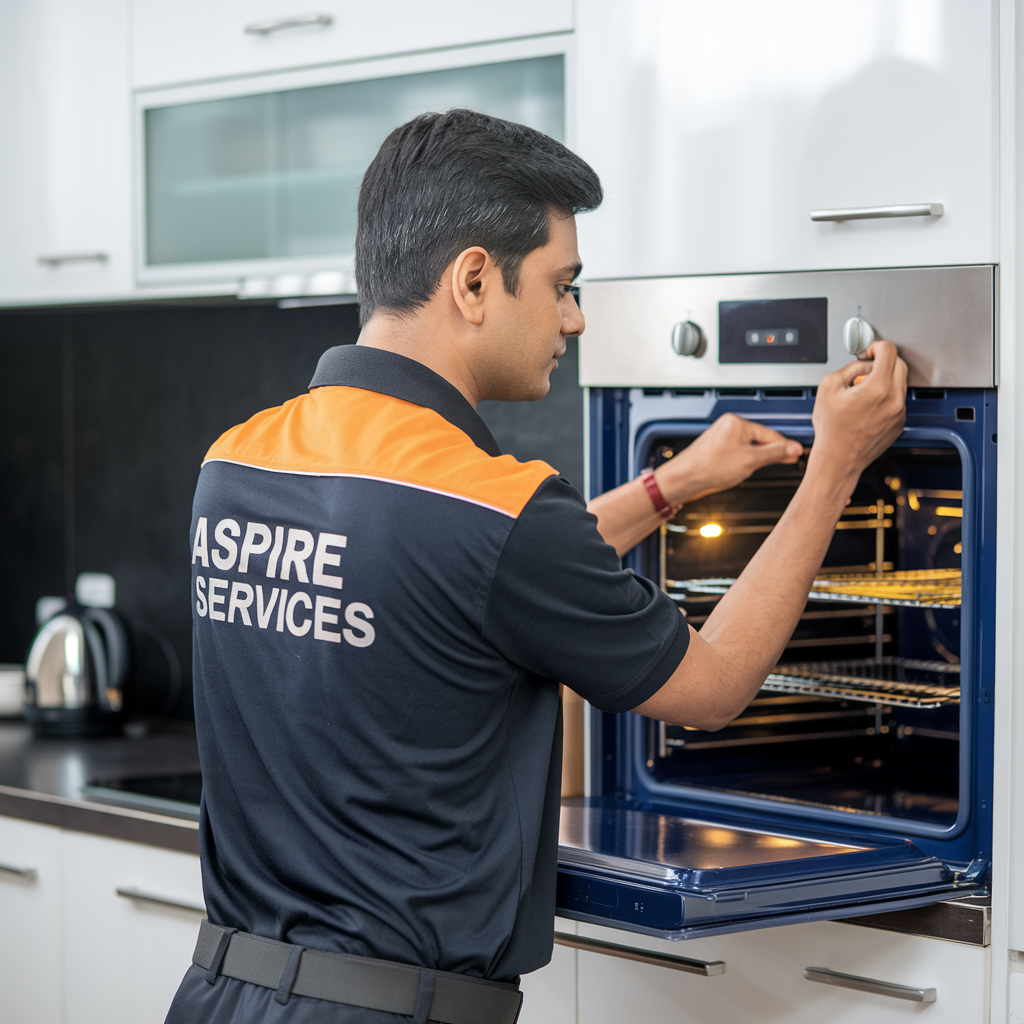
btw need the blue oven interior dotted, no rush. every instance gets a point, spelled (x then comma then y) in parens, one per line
(860, 777)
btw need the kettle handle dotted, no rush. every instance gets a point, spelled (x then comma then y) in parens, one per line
(115, 640)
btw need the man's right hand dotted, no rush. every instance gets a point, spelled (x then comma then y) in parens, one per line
(855, 423)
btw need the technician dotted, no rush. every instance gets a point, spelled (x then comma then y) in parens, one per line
(384, 606)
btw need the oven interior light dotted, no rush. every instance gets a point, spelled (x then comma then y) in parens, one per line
(949, 510)
(711, 530)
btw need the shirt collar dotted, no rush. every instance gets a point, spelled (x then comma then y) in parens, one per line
(388, 373)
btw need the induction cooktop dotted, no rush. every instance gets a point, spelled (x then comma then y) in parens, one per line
(176, 795)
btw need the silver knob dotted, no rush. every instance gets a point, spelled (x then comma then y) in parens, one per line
(857, 335)
(687, 339)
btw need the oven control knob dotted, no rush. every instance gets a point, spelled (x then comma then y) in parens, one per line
(687, 339)
(857, 335)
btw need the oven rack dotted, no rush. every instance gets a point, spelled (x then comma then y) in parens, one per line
(913, 588)
(901, 682)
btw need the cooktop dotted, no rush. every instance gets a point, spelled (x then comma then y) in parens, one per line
(177, 795)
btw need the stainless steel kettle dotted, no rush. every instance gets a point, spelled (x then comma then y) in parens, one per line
(77, 673)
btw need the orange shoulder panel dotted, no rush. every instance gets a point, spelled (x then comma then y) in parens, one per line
(337, 430)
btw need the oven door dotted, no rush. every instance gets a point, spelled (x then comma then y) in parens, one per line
(679, 877)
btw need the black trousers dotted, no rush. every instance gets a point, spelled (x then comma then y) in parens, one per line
(231, 1001)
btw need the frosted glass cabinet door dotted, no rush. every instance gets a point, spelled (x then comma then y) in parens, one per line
(194, 40)
(276, 175)
(718, 127)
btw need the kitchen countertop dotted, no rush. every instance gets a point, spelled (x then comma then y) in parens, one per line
(41, 780)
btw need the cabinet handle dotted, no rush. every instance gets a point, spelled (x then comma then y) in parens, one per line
(73, 257)
(678, 963)
(131, 893)
(17, 869)
(271, 25)
(881, 988)
(875, 212)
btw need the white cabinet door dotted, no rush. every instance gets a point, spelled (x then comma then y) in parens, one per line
(65, 176)
(718, 127)
(125, 956)
(195, 40)
(30, 948)
(764, 980)
(549, 995)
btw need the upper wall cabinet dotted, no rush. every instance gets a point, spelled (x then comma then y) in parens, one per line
(65, 176)
(195, 40)
(718, 128)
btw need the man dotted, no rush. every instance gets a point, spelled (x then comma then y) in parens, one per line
(385, 605)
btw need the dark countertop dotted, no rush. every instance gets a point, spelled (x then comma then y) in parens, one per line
(41, 780)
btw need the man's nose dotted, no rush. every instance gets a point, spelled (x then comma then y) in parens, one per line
(572, 320)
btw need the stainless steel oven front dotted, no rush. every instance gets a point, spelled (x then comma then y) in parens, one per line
(859, 779)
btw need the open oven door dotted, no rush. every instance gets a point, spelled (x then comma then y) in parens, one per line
(679, 877)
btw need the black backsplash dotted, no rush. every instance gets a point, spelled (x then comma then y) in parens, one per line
(105, 415)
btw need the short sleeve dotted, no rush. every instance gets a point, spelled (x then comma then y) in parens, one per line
(561, 605)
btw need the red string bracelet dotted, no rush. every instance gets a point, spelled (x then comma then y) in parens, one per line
(661, 506)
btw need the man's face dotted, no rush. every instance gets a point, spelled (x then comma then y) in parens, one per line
(532, 326)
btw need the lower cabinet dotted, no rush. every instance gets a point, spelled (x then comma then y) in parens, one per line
(131, 916)
(764, 979)
(31, 953)
(549, 995)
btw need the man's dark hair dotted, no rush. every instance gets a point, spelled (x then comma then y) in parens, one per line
(441, 183)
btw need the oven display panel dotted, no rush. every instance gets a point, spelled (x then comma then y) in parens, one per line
(773, 331)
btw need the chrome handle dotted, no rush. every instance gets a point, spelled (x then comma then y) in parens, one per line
(881, 988)
(271, 25)
(73, 257)
(17, 869)
(131, 893)
(708, 968)
(875, 212)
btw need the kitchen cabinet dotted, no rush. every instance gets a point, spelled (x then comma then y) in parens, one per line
(192, 41)
(718, 128)
(30, 911)
(764, 979)
(65, 180)
(131, 917)
(549, 995)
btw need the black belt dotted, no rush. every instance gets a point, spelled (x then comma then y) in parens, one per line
(356, 980)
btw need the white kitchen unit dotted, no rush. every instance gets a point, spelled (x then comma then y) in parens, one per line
(131, 917)
(65, 179)
(763, 980)
(31, 955)
(195, 40)
(549, 995)
(718, 128)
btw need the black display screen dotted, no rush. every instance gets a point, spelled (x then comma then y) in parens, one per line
(773, 331)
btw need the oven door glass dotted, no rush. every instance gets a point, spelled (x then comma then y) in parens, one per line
(678, 877)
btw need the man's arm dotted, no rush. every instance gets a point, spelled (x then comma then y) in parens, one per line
(743, 638)
(722, 456)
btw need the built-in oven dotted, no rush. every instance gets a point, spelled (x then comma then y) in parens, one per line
(859, 779)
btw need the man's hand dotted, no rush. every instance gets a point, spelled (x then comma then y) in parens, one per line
(855, 423)
(721, 457)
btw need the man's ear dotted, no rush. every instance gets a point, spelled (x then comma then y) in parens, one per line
(473, 274)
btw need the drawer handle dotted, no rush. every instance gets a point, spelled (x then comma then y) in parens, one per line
(881, 988)
(60, 258)
(876, 212)
(17, 869)
(708, 968)
(271, 25)
(131, 893)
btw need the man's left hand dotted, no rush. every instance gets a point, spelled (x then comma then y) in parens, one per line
(723, 456)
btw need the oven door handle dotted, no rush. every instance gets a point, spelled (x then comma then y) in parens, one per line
(708, 968)
(880, 988)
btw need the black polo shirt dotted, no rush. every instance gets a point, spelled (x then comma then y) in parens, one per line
(383, 608)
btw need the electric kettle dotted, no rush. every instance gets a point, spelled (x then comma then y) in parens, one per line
(77, 673)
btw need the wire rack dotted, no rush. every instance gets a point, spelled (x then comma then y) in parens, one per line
(913, 588)
(904, 682)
